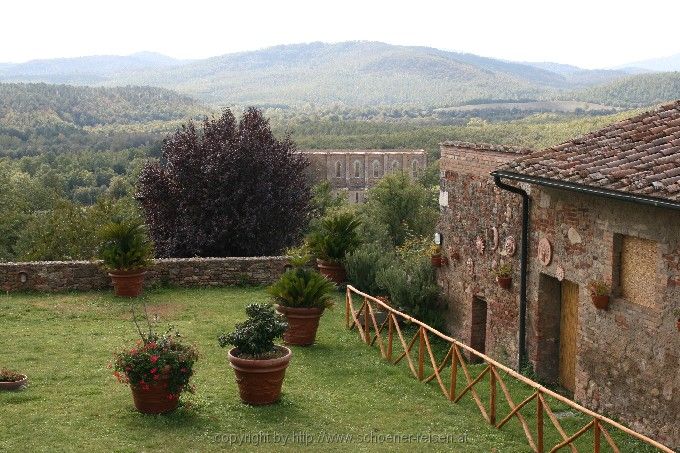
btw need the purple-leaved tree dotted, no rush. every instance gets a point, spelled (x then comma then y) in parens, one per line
(231, 189)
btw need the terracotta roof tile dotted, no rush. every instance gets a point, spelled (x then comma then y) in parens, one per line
(637, 155)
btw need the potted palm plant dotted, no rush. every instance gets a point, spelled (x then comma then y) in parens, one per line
(126, 252)
(158, 369)
(11, 380)
(599, 294)
(301, 296)
(504, 276)
(334, 237)
(259, 364)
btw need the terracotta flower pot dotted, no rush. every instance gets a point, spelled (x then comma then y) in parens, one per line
(14, 385)
(154, 400)
(259, 381)
(504, 282)
(436, 260)
(302, 324)
(334, 272)
(127, 283)
(600, 302)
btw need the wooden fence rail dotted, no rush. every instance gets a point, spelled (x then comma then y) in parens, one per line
(372, 333)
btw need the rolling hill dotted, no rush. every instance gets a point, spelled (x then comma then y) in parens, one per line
(357, 74)
(634, 91)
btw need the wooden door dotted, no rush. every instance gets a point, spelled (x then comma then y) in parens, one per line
(568, 334)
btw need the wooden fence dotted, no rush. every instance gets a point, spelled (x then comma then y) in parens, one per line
(371, 332)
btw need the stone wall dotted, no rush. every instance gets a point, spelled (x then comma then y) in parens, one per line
(53, 276)
(627, 357)
(476, 219)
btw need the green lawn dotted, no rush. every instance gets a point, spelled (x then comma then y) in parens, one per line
(338, 387)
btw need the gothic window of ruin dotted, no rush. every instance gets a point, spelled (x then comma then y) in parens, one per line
(635, 270)
(338, 170)
(376, 169)
(414, 168)
(357, 169)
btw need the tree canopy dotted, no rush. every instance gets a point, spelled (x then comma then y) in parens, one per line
(230, 189)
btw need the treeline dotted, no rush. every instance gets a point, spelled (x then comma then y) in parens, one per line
(42, 118)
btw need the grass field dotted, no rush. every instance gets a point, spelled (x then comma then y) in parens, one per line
(338, 394)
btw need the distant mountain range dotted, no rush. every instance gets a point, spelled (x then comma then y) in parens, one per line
(360, 74)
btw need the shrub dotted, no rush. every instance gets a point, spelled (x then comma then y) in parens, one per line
(303, 288)
(363, 265)
(404, 206)
(335, 236)
(254, 338)
(412, 287)
(157, 358)
(125, 246)
(231, 189)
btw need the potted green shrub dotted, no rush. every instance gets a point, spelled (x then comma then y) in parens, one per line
(158, 369)
(334, 237)
(259, 364)
(301, 296)
(11, 380)
(126, 252)
(599, 294)
(504, 275)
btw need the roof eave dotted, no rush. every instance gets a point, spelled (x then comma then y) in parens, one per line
(597, 191)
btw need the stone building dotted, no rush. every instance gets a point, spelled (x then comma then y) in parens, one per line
(352, 171)
(603, 207)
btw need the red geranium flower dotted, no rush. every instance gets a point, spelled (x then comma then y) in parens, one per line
(154, 370)
(154, 358)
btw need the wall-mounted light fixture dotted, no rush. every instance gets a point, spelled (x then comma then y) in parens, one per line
(438, 238)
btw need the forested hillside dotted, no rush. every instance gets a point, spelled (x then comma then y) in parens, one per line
(635, 91)
(39, 118)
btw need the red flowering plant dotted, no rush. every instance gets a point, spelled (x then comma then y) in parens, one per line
(157, 360)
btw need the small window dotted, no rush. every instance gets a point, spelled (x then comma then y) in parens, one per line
(635, 270)
(357, 169)
(395, 166)
(414, 168)
(376, 169)
(338, 169)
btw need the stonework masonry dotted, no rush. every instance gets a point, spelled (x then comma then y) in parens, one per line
(55, 276)
(352, 171)
(628, 356)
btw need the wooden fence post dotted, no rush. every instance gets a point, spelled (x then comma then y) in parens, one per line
(348, 298)
(367, 333)
(539, 423)
(596, 436)
(390, 335)
(492, 396)
(454, 372)
(421, 354)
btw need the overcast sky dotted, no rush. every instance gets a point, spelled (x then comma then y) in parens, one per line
(592, 33)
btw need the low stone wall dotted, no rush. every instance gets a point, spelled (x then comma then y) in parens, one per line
(55, 276)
